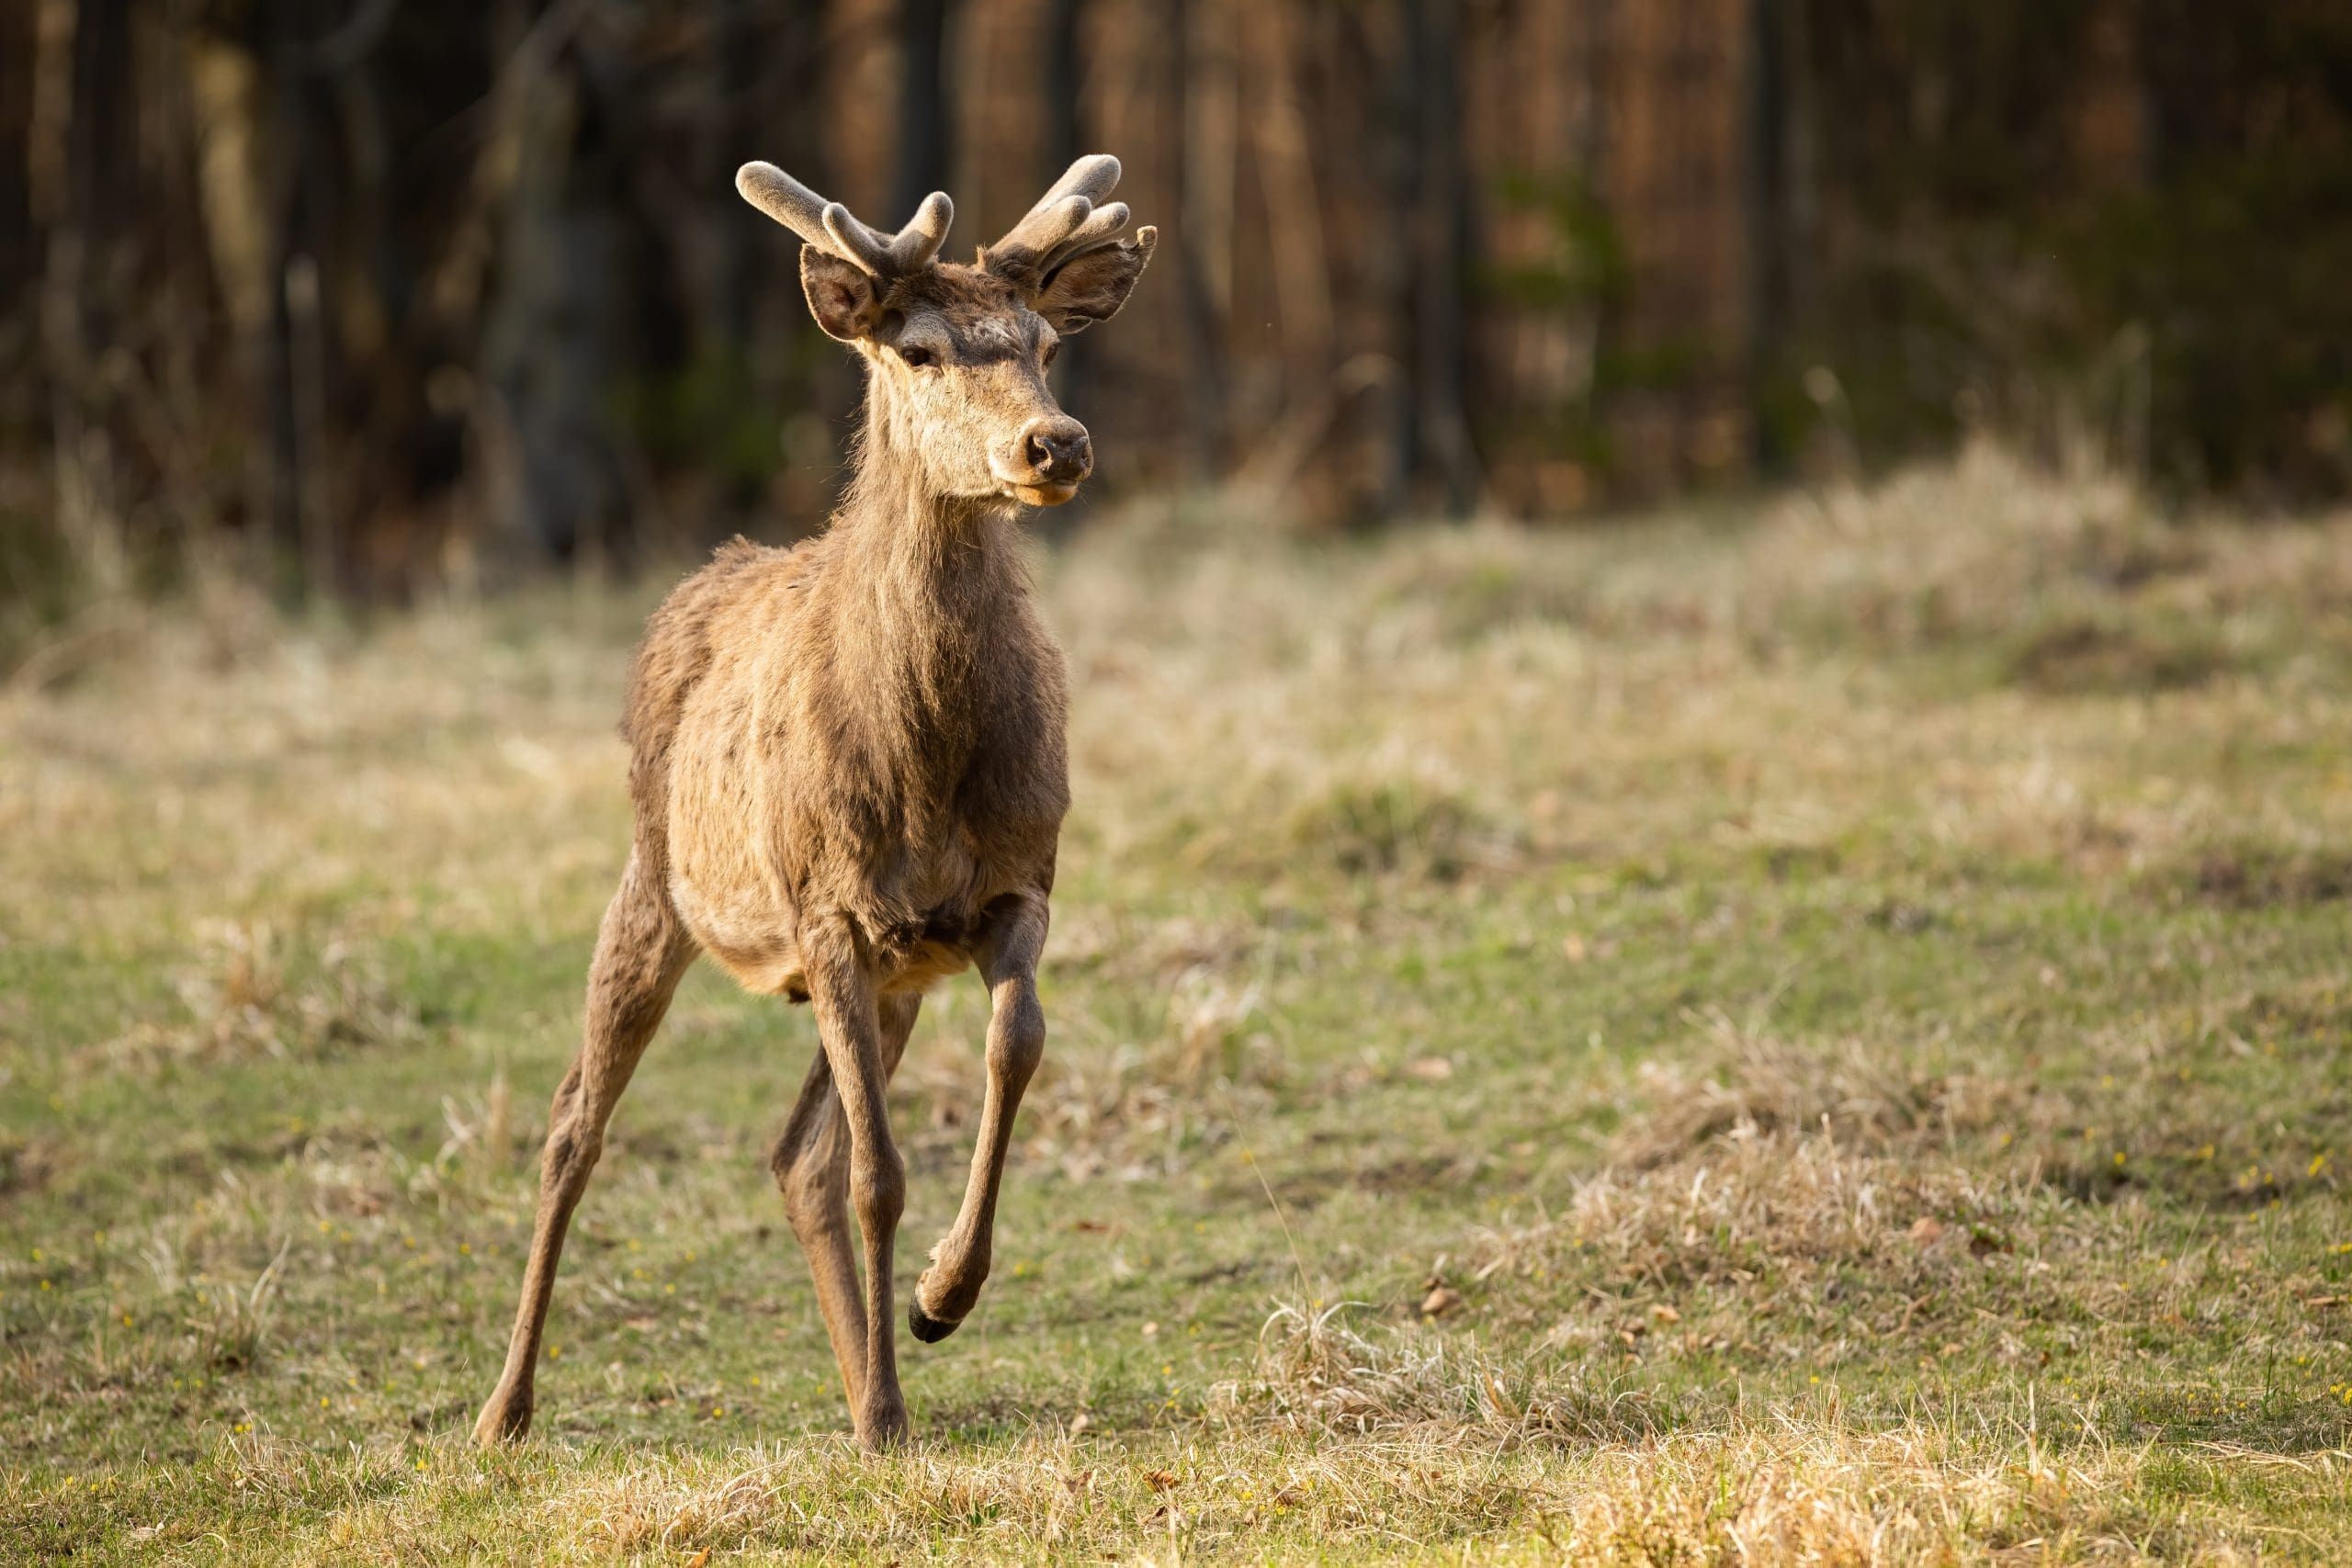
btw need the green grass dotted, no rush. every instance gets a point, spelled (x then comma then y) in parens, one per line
(1826, 1033)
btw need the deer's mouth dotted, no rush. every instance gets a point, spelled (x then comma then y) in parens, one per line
(1048, 493)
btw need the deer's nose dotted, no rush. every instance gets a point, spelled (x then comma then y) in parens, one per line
(1057, 450)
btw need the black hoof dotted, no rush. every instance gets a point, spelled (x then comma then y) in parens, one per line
(927, 1329)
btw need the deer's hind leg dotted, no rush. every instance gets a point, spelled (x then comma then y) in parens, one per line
(642, 950)
(811, 1163)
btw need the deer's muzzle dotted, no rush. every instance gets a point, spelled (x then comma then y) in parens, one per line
(1050, 458)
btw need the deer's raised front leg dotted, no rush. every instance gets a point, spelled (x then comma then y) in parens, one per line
(812, 1165)
(959, 1264)
(642, 950)
(840, 992)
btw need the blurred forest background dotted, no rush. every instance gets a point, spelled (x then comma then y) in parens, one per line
(385, 295)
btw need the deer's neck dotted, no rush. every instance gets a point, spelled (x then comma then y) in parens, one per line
(928, 584)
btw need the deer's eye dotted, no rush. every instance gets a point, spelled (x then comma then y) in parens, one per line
(920, 358)
(1052, 350)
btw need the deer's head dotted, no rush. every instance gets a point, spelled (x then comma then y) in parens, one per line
(956, 354)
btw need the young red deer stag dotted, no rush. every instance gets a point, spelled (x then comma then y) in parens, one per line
(847, 757)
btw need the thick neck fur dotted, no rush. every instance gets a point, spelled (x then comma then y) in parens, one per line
(926, 582)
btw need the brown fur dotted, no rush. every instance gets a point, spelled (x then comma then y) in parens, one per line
(848, 773)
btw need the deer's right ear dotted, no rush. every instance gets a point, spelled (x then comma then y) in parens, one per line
(845, 301)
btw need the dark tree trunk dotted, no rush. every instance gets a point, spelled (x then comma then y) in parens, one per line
(924, 110)
(1203, 334)
(1441, 234)
(1781, 230)
(1065, 124)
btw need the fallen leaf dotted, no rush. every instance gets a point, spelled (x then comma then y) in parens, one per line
(1431, 1069)
(1441, 1298)
(1575, 949)
(1159, 1480)
(1665, 1313)
(1079, 1422)
(1926, 1230)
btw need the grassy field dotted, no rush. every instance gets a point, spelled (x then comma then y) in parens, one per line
(1822, 1034)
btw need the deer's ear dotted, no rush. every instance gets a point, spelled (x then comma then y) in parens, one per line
(1093, 284)
(845, 301)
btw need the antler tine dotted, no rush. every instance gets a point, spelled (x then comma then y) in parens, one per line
(919, 242)
(855, 242)
(832, 228)
(1098, 226)
(1093, 177)
(783, 198)
(1053, 227)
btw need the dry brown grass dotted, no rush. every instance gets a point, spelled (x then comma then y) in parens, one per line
(1810, 1041)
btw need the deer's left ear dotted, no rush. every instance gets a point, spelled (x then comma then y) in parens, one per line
(1093, 284)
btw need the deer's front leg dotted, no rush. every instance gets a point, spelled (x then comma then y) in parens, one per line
(959, 1264)
(841, 991)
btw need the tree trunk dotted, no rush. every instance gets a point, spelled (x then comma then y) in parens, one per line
(1203, 333)
(1441, 234)
(924, 110)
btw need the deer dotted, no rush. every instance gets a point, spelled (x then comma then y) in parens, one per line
(848, 768)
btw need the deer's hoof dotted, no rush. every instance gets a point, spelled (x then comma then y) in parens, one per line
(927, 1329)
(884, 1431)
(503, 1420)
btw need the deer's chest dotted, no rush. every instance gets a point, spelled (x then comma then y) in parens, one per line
(772, 823)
